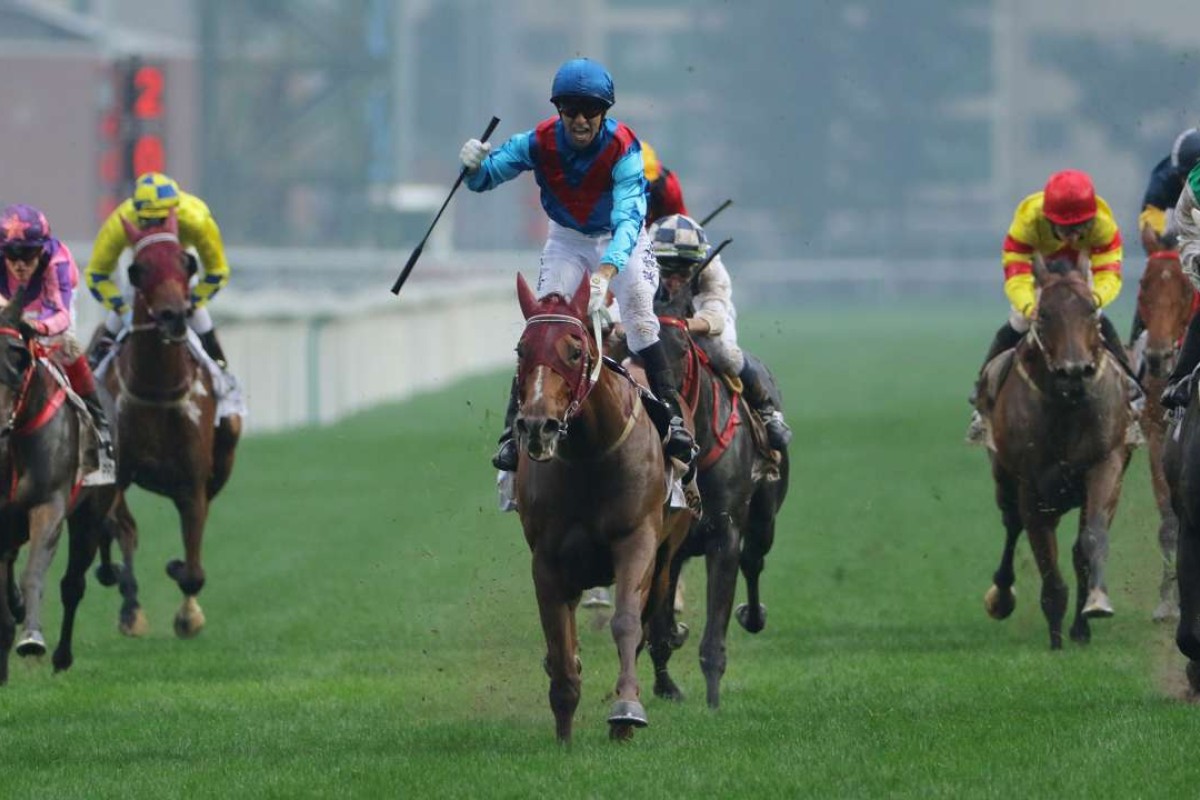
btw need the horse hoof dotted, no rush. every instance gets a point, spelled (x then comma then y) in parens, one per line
(1166, 612)
(1098, 605)
(628, 712)
(107, 574)
(667, 690)
(32, 645)
(679, 635)
(137, 625)
(747, 621)
(998, 603)
(62, 662)
(174, 569)
(189, 621)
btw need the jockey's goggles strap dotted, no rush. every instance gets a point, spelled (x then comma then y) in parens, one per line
(154, 238)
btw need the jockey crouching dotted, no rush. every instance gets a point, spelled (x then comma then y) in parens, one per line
(1187, 228)
(45, 268)
(593, 189)
(1064, 221)
(680, 247)
(154, 196)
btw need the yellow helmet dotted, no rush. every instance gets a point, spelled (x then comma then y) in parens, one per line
(650, 163)
(154, 195)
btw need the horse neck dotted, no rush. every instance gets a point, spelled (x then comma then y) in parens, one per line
(602, 418)
(154, 366)
(24, 451)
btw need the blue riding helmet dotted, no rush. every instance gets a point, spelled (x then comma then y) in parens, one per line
(582, 77)
(1185, 153)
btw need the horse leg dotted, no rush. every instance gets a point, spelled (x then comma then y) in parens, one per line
(1000, 599)
(1043, 542)
(8, 625)
(1168, 529)
(83, 540)
(633, 564)
(760, 536)
(16, 603)
(225, 441)
(1091, 545)
(45, 527)
(1187, 631)
(721, 558)
(189, 573)
(121, 525)
(662, 636)
(555, 609)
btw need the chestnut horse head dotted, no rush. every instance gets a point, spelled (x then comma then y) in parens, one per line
(1164, 303)
(1067, 327)
(556, 370)
(160, 273)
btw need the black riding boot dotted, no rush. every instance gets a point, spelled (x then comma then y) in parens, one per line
(101, 348)
(1006, 338)
(506, 456)
(1178, 390)
(679, 443)
(213, 348)
(100, 420)
(778, 432)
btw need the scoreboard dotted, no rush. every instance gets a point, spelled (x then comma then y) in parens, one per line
(132, 130)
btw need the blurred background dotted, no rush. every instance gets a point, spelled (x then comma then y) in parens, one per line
(870, 147)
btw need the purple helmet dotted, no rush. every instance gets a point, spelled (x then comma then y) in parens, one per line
(22, 225)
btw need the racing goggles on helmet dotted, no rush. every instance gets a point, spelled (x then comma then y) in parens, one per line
(1078, 229)
(571, 107)
(675, 265)
(21, 251)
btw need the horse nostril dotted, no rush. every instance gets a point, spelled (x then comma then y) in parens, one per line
(552, 426)
(1089, 370)
(522, 426)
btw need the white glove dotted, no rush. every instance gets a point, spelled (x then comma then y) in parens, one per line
(473, 153)
(599, 293)
(1196, 215)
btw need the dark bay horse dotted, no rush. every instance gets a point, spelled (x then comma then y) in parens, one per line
(1165, 303)
(167, 441)
(591, 494)
(740, 499)
(41, 472)
(1181, 466)
(1059, 423)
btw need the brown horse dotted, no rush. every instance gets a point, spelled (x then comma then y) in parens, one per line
(168, 441)
(591, 495)
(1059, 424)
(40, 468)
(1165, 303)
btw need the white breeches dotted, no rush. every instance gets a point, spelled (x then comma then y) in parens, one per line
(569, 258)
(723, 349)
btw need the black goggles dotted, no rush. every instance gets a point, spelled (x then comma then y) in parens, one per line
(21, 252)
(670, 265)
(573, 108)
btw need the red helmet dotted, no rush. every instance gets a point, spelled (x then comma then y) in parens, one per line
(1070, 198)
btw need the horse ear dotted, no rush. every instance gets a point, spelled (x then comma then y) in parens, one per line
(172, 223)
(1083, 263)
(529, 303)
(579, 301)
(131, 231)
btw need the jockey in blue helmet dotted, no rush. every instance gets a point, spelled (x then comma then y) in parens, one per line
(593, 188)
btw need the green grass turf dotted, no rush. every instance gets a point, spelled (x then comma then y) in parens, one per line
(372, 630)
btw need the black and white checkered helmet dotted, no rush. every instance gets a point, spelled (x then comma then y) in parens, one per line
(677, 238)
